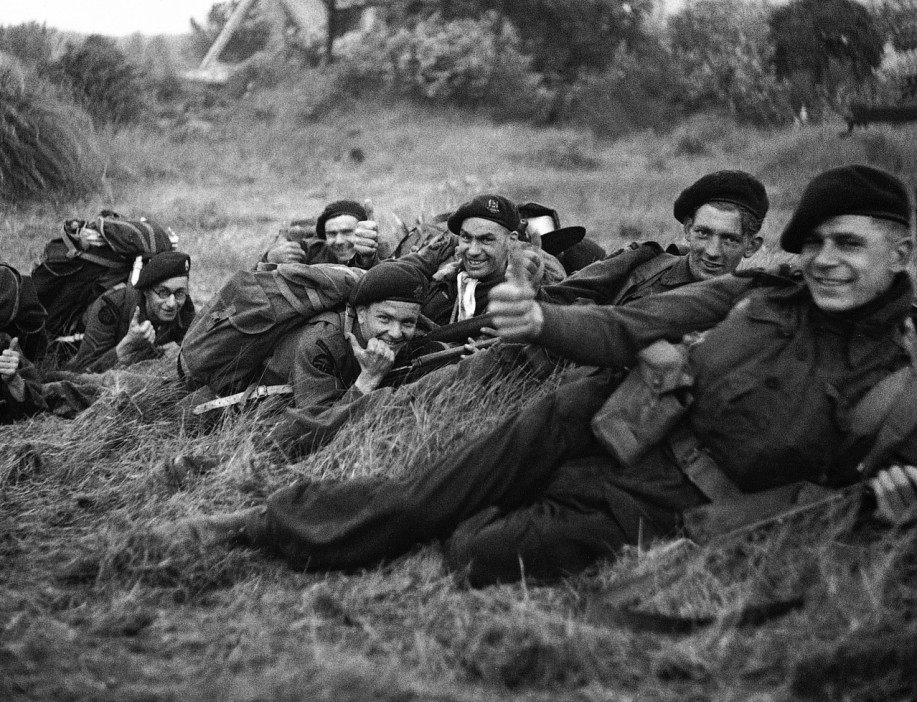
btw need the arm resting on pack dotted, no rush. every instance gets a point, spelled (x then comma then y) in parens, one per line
(612, 336)
(601, 281)
(429, 259)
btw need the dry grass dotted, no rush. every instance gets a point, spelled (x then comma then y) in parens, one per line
(96, 604)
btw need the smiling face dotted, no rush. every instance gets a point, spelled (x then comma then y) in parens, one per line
(340, 235)
(716, 242)
(391, 321)
(165, 298)
(484, 247)
(849, 260)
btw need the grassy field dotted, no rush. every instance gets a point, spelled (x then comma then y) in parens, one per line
(96, 605)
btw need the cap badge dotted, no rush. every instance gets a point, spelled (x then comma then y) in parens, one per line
(493, 206)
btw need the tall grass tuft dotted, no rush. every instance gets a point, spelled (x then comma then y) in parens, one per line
(47, 144)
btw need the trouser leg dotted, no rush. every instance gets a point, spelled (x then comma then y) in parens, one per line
(565, 530)
(326, 526)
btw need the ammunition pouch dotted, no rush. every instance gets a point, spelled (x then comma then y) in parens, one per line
(647, 405)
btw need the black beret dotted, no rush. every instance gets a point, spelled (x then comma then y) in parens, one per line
(162, 266)
(534, 209)
(496, 208)
(390, 280)
(341, 207)
(737, 187)
(848, 190)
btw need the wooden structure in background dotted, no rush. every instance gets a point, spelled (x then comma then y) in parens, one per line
(318, 18)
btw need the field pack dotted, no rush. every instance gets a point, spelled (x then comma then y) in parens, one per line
(71, 275)
(236, 330)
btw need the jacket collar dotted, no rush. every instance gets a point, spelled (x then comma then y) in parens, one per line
(679, 274)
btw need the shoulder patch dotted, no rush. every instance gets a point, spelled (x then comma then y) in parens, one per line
(106, 316)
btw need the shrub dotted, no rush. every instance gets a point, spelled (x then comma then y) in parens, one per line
(461, 61)
(46, 142)
(31, 43)
(639, 91)
(101, 79)
(725, 56)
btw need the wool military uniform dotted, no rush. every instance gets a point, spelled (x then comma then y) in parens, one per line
(107, 322)
(441, 303)
(776, 381)
(21, 397)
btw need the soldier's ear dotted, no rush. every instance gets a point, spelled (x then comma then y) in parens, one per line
(753, 246)
(903, 252)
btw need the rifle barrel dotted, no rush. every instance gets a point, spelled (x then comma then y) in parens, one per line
(448, 354)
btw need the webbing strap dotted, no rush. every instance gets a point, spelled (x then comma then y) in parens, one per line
(699, 466)
(294, 301)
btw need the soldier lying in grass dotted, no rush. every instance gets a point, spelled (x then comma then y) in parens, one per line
(464, 266)
(779, 382)
(345, 232)
(340, 356)
(134, 323)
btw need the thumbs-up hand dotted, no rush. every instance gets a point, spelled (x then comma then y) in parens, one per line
(376, 360)
(517, 317)
(526, 264)
(10, 360)
(367, 233)
(140, 336)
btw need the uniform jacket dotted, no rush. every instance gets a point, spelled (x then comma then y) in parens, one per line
(632, 273)
(22, 397)
(440, 300)
(318, 362)
(776, 379)
(107, 322)
(21, 313)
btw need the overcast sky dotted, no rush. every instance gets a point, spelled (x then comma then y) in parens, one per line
(112, 17)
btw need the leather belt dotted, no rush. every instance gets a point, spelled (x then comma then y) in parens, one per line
(699, 466)
(255, 392)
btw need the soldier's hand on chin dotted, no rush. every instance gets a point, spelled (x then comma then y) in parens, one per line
(517, 317)
(376, 360)
(895, 489)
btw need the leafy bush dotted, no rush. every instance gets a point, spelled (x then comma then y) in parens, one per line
(640, 90)
(460, 61)
(31, 43)
(723, 49)
(46, 142)
(101, 79)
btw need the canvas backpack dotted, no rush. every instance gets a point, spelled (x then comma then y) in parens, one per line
(234, 333)
(68, 279)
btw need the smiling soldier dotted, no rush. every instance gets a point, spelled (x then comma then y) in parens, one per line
(789, 388)
(345, 232)
(338, 356)
(721, 216)
(467, 264)
(135, 323)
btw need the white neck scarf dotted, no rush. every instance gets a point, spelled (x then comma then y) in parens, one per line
(465, 302)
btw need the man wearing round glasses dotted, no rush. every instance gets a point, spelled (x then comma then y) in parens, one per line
(130, 324)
